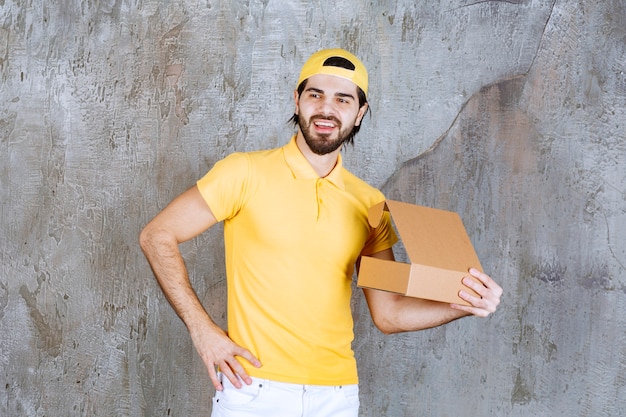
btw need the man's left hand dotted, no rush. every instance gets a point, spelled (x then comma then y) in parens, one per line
(488, 298)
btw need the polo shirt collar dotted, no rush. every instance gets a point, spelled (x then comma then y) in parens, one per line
(302, 169)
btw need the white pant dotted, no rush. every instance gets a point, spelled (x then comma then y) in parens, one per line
(265, 398)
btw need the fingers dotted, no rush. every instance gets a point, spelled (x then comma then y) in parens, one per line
(231, 368)
(235, 376)
(218, 351)
(487, 281)
(488, 294)
(247, 355)
(214, 378)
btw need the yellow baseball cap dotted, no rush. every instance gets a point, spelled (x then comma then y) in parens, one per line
(337, 62)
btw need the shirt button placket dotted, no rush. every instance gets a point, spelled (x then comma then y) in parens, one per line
(318, 195)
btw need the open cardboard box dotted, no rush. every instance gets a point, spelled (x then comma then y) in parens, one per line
(438, 247)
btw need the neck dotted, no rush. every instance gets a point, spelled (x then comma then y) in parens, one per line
(322, 164)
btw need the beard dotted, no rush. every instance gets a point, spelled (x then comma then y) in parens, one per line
(322, 144)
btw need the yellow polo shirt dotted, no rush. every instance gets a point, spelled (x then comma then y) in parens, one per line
(291, 241)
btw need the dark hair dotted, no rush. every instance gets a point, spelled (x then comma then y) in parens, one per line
(362, 101)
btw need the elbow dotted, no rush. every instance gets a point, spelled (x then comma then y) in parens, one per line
(384, 311)
(152, 237)
(145, 237)
(386, 330)
(386, 326)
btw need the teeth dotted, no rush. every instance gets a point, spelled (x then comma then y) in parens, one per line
(324, 124)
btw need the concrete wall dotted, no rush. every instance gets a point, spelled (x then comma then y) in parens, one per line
(512, 113)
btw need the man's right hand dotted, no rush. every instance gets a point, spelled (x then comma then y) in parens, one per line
(217, 350)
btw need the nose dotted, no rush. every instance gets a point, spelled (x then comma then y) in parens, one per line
(327, 106)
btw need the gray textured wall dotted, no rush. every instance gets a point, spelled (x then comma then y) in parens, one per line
(512, 113)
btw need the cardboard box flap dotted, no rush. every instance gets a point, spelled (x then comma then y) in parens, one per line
(394, 273)
(438, 247)
(375, 214)
(430, 236)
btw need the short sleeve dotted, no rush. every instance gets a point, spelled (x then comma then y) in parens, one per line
(225, 187)
(381, 237)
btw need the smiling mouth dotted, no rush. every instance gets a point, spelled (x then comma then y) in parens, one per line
(325, 124)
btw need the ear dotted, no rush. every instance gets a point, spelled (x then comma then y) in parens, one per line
(361, 113)
(296, 99)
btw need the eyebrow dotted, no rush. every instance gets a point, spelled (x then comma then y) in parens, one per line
(317, 90)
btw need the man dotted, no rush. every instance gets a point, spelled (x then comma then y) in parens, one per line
(295, 225)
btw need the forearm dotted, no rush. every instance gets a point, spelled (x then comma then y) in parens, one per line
(394, 313)
(161, 251)
(418, 314)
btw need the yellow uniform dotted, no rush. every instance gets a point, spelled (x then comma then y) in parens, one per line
(291, 241)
